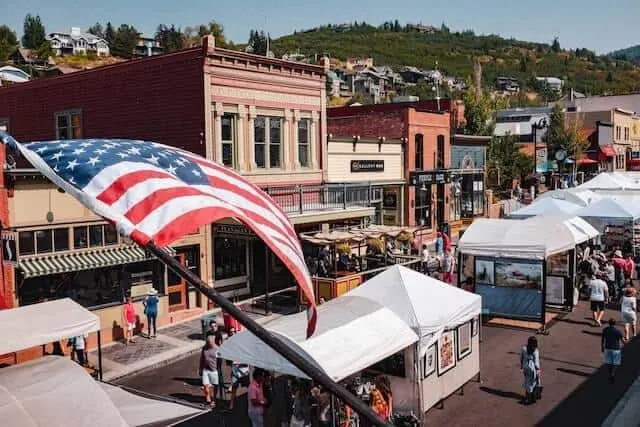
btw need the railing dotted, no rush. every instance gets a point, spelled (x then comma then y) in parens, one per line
(300, 199)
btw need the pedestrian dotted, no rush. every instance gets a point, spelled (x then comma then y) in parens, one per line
(239, 377)
(150, 304)
(620, 266)
(302, 406)
(425, 259)
(447, 267)
(530, 366)
(79, 347)
(629, 308)
(439, 244)
(599, 294)
(218, 339)
(324, 408)
(381, 398)
(282, 401)
(611, 343)
(256, 399)
(208, 370)
(129, 320)
(610, 277)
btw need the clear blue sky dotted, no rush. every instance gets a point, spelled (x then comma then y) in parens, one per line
(594, 24)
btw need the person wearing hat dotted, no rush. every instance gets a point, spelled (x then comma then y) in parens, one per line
(599, 294)
(151, 310)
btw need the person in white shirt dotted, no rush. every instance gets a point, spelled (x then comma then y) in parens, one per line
(599, 294)
(628, 309)
(79, 347)
(425, 259)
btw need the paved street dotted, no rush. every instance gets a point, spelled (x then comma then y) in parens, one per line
(576, 390)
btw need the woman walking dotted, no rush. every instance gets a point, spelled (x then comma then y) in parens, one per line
(256, 399)
(208, 370)
(629, 309)
(530, 365)
(129, 320)
(381, 398)
(151, 311)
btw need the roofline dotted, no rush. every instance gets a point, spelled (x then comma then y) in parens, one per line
(229, 53)
(472, 138)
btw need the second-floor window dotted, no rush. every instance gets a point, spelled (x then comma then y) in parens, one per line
(618, 132)
(626, 133)
(267, 142)
(32, 242)
(303, 142)
(419, 152)
(228, 140)
(93, 236)
(440, 153)
(69, 125)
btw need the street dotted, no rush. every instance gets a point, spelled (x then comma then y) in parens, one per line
(576, 389)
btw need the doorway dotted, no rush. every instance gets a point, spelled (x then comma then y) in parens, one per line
(176, 288)
(439, 205)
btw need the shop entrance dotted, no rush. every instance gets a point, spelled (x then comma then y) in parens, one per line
(439, 205)
(177, 288)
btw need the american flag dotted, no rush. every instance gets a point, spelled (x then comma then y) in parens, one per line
(156, 193)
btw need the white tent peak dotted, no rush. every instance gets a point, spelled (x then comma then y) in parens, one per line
(547, 206)
(610, 208)
(576, 195)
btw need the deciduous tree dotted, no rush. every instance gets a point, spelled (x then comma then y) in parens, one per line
(169, 37)
(505, 156)
(33, 32)
(8, 42)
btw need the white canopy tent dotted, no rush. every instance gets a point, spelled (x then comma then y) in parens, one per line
(534, 238)
(428, 305)
(55, 391)
(576, 195)
(44, 323)
(546, 206)
(611, 208)
(611, 181)
(352, 334)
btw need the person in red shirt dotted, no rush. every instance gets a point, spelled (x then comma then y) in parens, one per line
(620, 266)
(128, 320)
(631, 266)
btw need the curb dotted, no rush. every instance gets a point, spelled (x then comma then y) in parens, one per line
(627, 411)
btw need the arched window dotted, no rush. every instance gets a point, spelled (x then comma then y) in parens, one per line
(440, 153)
(419, 163)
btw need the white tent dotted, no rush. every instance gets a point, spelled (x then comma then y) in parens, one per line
(546, 206)
(534, 238)
(611, 208)
(352, 334)
(55, 391)
(611, 181)
(428, 305)
(38, 324)
(576, 195)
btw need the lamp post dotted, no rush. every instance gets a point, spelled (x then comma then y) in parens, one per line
(539, 125)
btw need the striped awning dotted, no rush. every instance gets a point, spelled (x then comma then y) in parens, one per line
(64, 263)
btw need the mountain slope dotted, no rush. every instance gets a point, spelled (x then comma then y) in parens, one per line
(631, 53)
(581, 69)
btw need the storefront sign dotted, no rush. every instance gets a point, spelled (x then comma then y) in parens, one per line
(367, 165)
(9, 252)
(232, 229)
(430, 177)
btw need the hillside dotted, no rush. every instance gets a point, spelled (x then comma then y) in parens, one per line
(582, 69)
(630, 54)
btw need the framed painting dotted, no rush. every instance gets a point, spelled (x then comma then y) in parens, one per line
(446, 357)
(429, 362)
(464, 340)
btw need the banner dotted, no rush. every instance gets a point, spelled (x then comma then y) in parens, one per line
(542, 165)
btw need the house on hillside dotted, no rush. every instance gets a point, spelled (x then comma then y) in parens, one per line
(507, 85)
(355, 64)
(553, 83)
(147, 46)
(427, 29)
(77, 42)
(411, 75)
(27, 57)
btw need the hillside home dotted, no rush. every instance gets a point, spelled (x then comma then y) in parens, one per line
(553, 83)
(507, 84)
(78, 43)
(146, 46)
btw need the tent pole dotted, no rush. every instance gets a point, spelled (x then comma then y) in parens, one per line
(272, 340)
(99, 355)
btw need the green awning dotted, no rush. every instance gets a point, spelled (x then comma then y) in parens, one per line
(63, 263)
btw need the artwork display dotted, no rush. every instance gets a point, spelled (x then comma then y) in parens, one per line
(518, 274)
(466, 269)
(555, 290)
(429, 361)
(484, 272)
(446, 352)
(464, 340)
(558, 264)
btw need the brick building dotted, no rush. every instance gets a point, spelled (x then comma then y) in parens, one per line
(261, 116)
(425, 137)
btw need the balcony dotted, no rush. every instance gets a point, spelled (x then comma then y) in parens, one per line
(305, 199)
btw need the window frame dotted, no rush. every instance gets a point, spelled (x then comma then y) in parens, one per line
(268, 144)
(271, 144)
(440, 151)
(426, 204)
(68, 115)
(233, 141)
(306, 145)
(265, 159)
(419, 153)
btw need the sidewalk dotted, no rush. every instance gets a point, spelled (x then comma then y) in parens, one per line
(172, 343)
(627, 411)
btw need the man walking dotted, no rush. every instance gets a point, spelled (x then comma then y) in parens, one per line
(611, 342)
(599, 295)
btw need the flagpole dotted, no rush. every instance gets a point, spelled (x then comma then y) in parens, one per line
(272, 340)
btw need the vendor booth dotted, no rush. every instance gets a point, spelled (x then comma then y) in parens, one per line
(447, 321)
(617, 219)
(577, 196)
(607, 181)
(55, 391)
(520, 267)
(545, 206)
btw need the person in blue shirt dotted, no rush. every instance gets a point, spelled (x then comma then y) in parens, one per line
(151, 311)
(439, 245)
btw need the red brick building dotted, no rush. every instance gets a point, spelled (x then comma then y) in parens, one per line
(425, 134)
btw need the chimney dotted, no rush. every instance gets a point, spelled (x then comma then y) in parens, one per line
(209, 44)
(324, 61)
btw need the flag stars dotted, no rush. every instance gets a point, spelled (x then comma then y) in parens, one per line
(78, 151)
(63, 145)
(93, 160)
(57, 156)
(72, 164)
(172, 169)
(123, 155)
(153, 159)
(100, 151)
(41, 150)
(86, 144)
(134, 151)
(196, 172)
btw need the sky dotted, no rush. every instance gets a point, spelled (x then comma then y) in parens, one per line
(577, 23)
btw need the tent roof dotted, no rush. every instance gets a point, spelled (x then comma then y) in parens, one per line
(424, 303)
(55, 391)
(576, 195)
(524, 239)
(611, 181)
(352, 334)
(546, 206)
(38, 324)
(610, 208)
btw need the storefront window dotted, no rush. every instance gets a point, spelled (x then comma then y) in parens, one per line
(80, 238)
(478, 195)
(95, 236)
(230, 258)
(423, 206)
(44, 242)
(27, 243)
(61, 239)
(110, 235)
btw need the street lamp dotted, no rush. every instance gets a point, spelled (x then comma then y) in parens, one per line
(539, 125)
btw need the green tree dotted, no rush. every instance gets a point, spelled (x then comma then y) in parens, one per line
(555, 46)
(609, 77)
(169, 37)
(109, 33)
(555, 136)
(8, 42)
(217, 31)
(505, 156)
(396, 26)
(258, 42)
(97, 30)
(124, 41)
(477, 113)
(33, 32)
(45, 51)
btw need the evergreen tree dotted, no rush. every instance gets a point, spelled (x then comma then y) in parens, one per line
(124, 41)
(555, 46)
(396, 26)
(258, 42)
(34, 34)
(97, 30)
(109, 33)
(8, 42)
(170, 38)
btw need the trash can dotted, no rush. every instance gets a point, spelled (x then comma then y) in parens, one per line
(205, 322)
(230, 322)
